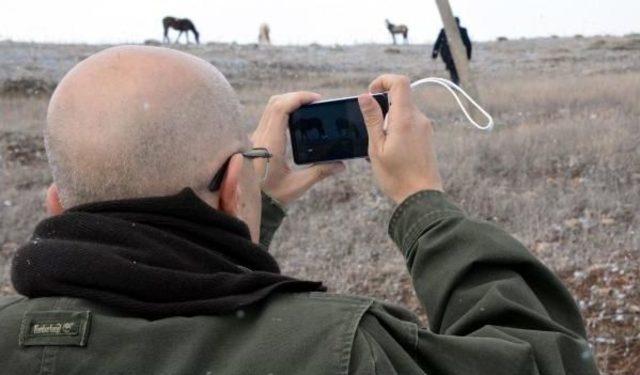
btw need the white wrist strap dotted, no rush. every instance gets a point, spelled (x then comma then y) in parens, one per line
(450, 86)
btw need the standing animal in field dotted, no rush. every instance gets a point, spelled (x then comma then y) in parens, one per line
(314, 131)
(347, 130)
(398, 29)
(183, 25)
(263, 37)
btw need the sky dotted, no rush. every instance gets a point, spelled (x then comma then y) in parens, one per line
(308, 21)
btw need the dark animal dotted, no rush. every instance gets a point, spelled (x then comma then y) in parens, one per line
(346, 129)
(314, 131)
(442, 47)
(397, 29)
(181, 24)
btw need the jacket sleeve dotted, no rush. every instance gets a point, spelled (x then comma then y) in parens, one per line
(438, 44)
(272, 216)
(467, 42)
(493, 308)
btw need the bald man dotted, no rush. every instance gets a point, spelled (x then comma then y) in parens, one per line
(154, 258)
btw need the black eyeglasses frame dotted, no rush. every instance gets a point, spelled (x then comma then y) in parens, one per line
(254, 153)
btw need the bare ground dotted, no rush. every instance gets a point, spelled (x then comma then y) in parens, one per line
(561, 171)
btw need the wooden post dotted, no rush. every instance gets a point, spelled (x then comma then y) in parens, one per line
(459, 54)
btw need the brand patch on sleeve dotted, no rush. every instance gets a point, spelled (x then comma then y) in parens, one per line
(70, 328)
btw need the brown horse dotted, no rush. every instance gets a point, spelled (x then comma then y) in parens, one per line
(180, 24)
(397, 29)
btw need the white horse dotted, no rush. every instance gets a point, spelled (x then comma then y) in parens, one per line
(263, 37)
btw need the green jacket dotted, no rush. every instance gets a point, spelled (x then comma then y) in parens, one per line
(493, 309)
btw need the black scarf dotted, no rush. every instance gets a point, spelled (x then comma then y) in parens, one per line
(151, 257)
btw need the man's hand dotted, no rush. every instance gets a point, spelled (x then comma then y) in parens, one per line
(282, 183)
(434, 55)
(402, 156)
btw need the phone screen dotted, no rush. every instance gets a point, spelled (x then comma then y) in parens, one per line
(330, 130)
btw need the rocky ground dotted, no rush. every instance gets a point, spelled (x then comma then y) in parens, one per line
(561, 171)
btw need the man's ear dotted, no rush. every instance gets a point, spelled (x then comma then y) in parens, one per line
(230, 187)
(52, 201)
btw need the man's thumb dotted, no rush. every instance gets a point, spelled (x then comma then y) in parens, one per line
(309, 176)
(373, 118)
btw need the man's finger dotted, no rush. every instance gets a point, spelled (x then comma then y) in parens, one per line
(398, 87)
(271, 131)
(291, 101)
(373, 118)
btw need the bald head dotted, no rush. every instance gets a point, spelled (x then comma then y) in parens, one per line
(140, 121)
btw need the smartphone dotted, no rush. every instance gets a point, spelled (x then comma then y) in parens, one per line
(330, 130)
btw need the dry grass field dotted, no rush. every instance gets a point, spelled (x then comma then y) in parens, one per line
(561, 170)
